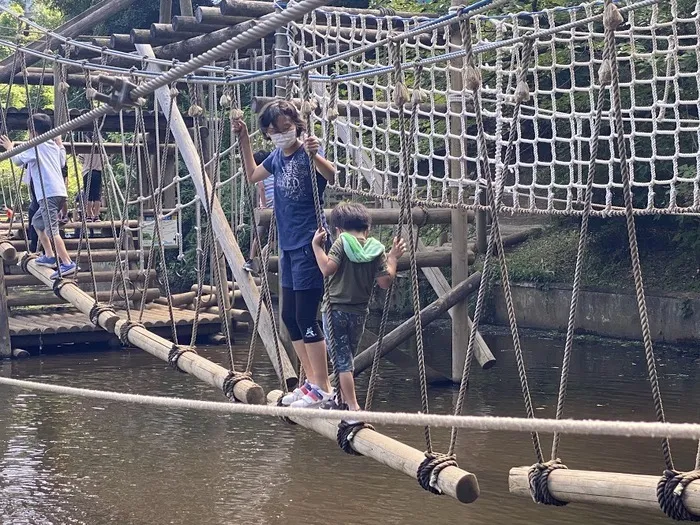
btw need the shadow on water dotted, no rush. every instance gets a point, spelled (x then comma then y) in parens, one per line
(68, 460)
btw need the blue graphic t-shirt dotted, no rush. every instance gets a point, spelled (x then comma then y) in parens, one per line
(294, 199)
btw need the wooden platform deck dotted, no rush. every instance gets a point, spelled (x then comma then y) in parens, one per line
(32, 330)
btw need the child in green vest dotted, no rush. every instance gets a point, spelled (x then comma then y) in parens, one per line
(353, 263)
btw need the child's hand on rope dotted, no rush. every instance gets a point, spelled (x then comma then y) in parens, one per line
(397, 249)
(239, 127)
(320, 237)
(311, 145)
(6, 143)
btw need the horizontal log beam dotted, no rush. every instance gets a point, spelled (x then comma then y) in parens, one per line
(166, 31)
(47, 298)
(121, 42)
(382, 216)
(430, 313)
(83, 278)
(212, 15)
(452, 481)
(357, 109)
(190, 24)
(246, 391)
(256, 9)
(427, 259)
(603, 488)
(100, 225)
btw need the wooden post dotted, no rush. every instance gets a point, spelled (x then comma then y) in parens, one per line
(186, 8)
(452, 481)
(606, 488)
(222, 229)
(460, 228)
(165, 12)
(5, 342)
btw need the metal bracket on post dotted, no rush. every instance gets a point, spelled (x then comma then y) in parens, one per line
(120, 96)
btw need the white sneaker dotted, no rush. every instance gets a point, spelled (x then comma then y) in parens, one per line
(296, 394)
(314, 398)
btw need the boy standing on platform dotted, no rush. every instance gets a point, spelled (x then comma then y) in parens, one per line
(44, 163)
(353, 263)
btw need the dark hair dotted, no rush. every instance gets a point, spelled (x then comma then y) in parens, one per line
(42, 123)
(280, 108)
(351, 216)
(260, 156)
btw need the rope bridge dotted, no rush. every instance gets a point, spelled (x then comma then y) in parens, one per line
(579, 111)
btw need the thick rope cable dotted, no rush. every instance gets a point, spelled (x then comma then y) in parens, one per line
(626, 429)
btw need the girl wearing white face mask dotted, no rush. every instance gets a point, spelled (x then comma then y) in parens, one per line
(302, 281)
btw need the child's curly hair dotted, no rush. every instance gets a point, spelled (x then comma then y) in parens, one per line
(278, 108)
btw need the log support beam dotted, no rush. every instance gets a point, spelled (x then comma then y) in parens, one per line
(452, 481)
(245, 390)
(5, 341)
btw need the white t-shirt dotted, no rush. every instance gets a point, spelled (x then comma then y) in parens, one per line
(51, 159)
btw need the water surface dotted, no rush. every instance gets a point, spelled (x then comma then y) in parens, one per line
(79, 461)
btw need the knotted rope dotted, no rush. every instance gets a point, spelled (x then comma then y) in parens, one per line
(347, 432)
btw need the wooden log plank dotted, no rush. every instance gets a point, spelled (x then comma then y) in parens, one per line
(429, 259)
(452, 481)
(100, 277)
(121, 42)
(430, 313)
(380, 216)
(190, 24)
(99, 225)
(167, 31)
(5, 339)
(8, 253)
(81, 24)
(212, 15)
(246, 391)
(46, 299)
(603, 488)
(223, 232)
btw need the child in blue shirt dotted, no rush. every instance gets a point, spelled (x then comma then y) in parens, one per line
(302, 281)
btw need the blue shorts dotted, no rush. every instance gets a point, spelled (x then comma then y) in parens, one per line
(347, 329)
(300, 270)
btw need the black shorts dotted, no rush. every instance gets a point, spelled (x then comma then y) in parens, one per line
(95, 180)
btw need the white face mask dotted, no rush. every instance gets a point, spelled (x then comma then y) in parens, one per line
(284, 140)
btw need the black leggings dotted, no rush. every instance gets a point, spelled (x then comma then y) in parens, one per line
(300, 314)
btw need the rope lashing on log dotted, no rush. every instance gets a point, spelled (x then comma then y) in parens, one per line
(175, 353)
(346, 433)
(279, 404)
(430, 469)
(26, 259)
(59, 284)
(98, 309)
(538, 476)
(670, 490)
(232, 379)
(125, 329)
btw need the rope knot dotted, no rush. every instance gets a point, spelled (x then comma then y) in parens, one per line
(174, 92)
(472, 78)
(175, 353)
(612, 18)
(284, 418)
(232, 379)
(195, 111)
(538, 477)
(387, 11)
(98, 309)
(236, 114)
(346, 434)
(605, 73)
(401, 95)
(58, 285)
(522, 92)
(125, 329)
(430, 468)
(225, 100)
(26, 258)
(669, 493)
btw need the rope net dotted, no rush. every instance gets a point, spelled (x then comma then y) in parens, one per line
(658, 62)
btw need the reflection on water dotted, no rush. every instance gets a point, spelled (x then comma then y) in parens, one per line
(79, 461)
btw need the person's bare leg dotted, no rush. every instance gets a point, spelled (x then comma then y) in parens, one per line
(300, 349)
(319, 361)
(45, 243)
(61, 249)
(347, 388)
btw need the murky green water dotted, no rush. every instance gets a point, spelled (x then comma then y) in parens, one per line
(66, 460)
